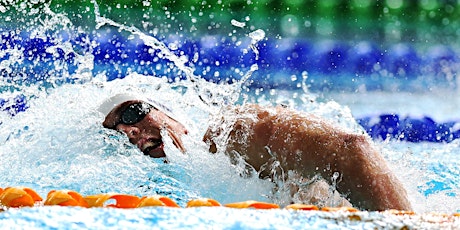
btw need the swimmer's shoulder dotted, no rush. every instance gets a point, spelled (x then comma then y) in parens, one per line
(262, 112)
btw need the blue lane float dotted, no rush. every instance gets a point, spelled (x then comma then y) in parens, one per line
(365, 58)
(402, 60)
(440, 60)
(393, 126)
(116, 54)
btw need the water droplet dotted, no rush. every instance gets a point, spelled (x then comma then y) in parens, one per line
(237, 23)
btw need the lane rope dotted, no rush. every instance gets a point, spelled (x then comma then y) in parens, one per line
(19, 197)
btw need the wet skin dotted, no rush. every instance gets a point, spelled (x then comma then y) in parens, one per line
(146, 134)
(310, 146)
(303, 143)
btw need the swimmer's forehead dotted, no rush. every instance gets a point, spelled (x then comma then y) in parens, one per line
(114, 115)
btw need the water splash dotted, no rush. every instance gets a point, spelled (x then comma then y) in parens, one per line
(228, 94)
(56, 143)
(256, 36)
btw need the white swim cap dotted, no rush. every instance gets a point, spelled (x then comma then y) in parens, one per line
(111, 102)
(108, 105)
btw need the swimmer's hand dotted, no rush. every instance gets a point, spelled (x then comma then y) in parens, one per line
(177, 140)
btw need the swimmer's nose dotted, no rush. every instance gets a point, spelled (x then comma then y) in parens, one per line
(130, 130)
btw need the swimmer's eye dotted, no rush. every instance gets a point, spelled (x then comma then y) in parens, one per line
(135, 113)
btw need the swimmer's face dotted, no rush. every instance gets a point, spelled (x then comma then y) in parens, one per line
(142, 123)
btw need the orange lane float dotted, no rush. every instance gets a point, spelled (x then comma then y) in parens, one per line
(400, 212)
(305, 207)
(151, 201)
(252, 204)
(65, 198)
(121, 200)
(338, 209)
(72, 198)
(203, 202)
(15, 197)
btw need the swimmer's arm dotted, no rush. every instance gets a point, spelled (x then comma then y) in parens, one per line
(319, 147)
(240, 136)
(366, 177)
(310, 146)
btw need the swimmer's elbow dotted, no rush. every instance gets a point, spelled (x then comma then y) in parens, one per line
(207, 138)
(212, 147)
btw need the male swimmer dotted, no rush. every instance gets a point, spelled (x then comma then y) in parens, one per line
(301, 143)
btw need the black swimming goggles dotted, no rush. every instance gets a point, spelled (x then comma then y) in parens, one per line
(135, 113)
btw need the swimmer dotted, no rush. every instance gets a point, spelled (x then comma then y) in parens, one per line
(302, 143)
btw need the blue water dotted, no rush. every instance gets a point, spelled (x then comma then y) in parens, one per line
(204, 218)
(54, 76)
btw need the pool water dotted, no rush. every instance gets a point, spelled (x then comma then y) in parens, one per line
(221, 218)
(55, 74)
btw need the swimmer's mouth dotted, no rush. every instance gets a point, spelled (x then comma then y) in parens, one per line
(153, 148)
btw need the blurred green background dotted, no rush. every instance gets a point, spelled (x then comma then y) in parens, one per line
(418, 21)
